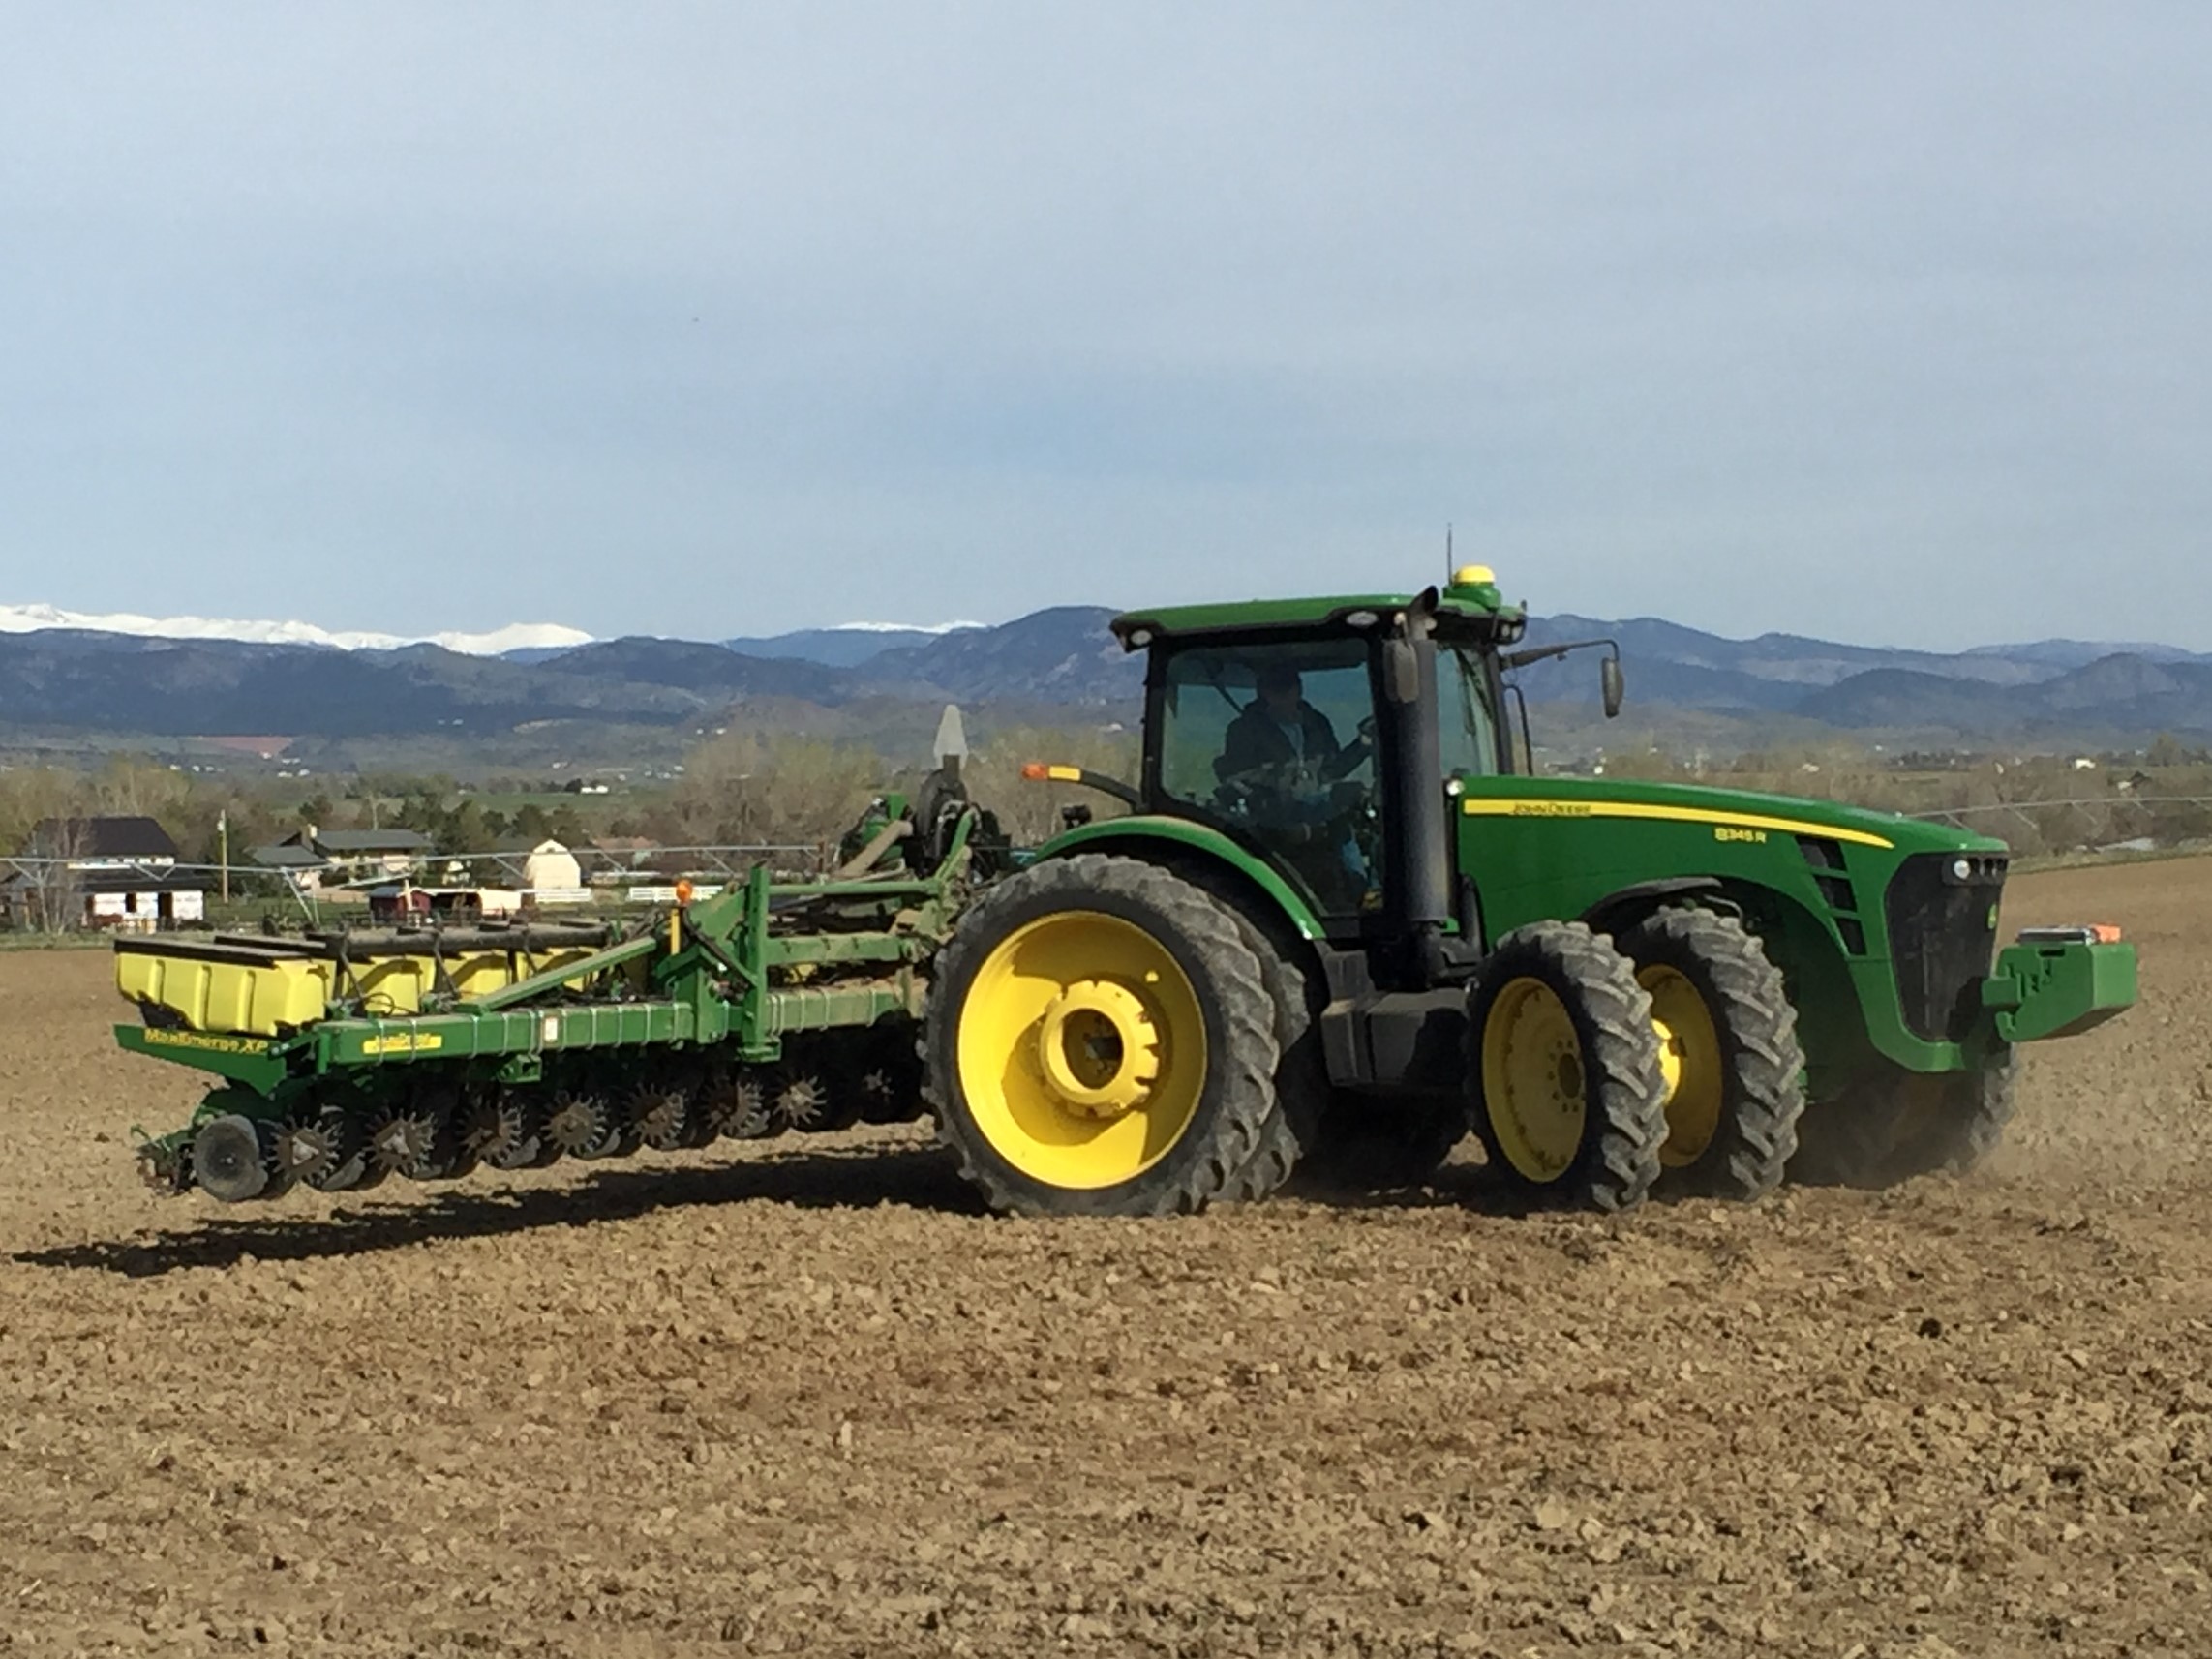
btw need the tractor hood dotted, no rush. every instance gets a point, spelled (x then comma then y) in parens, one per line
(1748, 810)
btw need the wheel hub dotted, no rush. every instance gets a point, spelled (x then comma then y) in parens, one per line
(1098, 1049)
(1566, 1077)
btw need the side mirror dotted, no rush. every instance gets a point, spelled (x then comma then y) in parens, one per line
(1401, 672)
(1609, 677)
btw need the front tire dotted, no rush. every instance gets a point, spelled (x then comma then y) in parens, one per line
(1735, 1069)
(1571, 1092)
(1892, 1124)
(1970, 1122)
(1100, 1040)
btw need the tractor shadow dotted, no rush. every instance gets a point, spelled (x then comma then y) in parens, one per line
(915, 1178)
(918, 1178)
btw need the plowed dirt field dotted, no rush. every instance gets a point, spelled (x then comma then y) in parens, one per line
(804, 1397)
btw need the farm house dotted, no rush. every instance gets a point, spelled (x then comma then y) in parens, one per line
(112, 872)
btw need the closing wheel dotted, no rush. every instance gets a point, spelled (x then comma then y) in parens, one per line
(583, 1123)
(736, 1105)
(660, 1113)
(494, 1128)
(1100, 1040)
(1570, 1078)
(1728, 1046)
(321, 1147)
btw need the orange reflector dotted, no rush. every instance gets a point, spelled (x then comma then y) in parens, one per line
(2105, 933)
(682, 893)
(1036, 771)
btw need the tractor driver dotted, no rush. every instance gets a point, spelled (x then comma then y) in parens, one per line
(1283, 755)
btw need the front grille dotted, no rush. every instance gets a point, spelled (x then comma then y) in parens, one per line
(1942, 911)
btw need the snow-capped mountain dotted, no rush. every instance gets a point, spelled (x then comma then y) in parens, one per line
(516, 636)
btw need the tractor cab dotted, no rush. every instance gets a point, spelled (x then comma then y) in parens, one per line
(1322, 736)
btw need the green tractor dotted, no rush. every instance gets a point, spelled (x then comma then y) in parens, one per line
(1341, 900)
(1339, 924)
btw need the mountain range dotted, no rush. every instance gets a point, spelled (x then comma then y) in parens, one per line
(517, 637)
(128, 681)
(2046, 692)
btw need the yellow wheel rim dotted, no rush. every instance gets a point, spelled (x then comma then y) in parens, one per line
(1534, 1088)
(1081, 1049)
(1689, 1056)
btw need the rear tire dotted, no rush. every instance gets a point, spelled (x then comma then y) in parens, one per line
(1570, 1092)
(1100, 1040)
(1733, 1055)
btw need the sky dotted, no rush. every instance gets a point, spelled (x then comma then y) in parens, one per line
(1888, 324)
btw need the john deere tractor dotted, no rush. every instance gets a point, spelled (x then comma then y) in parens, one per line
(1339, 915)
(1339, 897)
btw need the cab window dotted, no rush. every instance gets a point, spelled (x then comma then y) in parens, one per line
(1467, 730)
(1276, 740)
